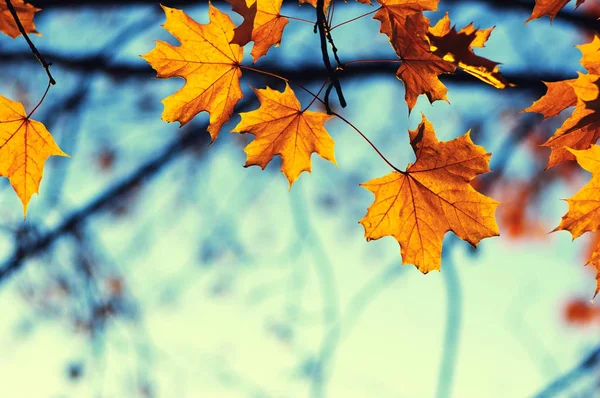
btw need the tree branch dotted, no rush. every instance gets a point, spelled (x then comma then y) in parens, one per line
(331, 73)
(590, 364)
(578, 18)
(104, 201)
(302, 73)
(34, 50)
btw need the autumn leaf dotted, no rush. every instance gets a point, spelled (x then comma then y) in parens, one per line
(550, 8)
(406, 27)
(584, 207)
(456, 47)
(582, 128)
(428, 52)
(262, 24)
(443, 27)
(25, 145)
(559, 96)
(281, 128)
(433, 196)
(207, 61)
(25, 12)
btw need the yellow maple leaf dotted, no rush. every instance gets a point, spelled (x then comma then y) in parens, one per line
(281, 128)
(207, 61)
(582, 128)
(550, 8)
(433, 196)
(584, 207)
(262, 24)
(25, 12)
(25, 145)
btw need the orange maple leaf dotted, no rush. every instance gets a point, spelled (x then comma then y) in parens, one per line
(262, 24)
(582, 128)
(25, 12)
(433, 196)
(550, 8)
(281, 128)
(427, 52)
(207, 61)
(584, 207)
(25, 145)
(407, 28)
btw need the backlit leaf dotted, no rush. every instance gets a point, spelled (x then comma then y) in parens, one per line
(582, 128)
(433, 196)
(207, 61)
(281, 128)
(262, 24)
(25, 145)
(584, 207)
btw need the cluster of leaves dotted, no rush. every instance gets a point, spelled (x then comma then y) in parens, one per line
(575, 140)
(416, 206)
(408, 204)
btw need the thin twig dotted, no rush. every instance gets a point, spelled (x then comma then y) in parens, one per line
(34, 50)
(369, 142)
(40, 101)
(354, 19)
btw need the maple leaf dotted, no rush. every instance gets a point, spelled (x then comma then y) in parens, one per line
(559, 96)
(25, 145)
(442, 28)
(406, 27)
(281, 128)
(428, 52)
(582, 128)
(207, 61)
(262, 24)
(433, 196)
(456, 47)
(550, 8)
(25, 12)
(584, 207)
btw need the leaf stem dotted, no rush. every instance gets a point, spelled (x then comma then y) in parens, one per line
(297, 19)
(354, 19)
(41, 100)
(368, 141)
(264, 72)
(34, 50)
(316, 97)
